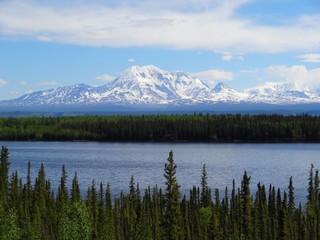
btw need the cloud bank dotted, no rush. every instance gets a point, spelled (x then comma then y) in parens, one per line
(212, 25)
(211, 77)
(299, 74)
(311, 57)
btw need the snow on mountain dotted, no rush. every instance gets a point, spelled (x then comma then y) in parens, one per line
(274, 88)
(147, 84)
(79, 93)
(151, 85)
(282, 93)
(224, 93)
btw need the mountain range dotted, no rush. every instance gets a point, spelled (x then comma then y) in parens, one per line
(149, 85)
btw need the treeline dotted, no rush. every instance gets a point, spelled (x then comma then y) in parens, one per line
(217, 128)
(35, 211)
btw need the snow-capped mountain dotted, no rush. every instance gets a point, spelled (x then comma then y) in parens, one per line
(282, 93)
(224, 93)
(151, 85)
(79, 93)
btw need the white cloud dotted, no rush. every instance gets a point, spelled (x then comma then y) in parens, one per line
(23, 83)
(52, 83)
(213, 25)
(131, 60)
(229, 57)
(298, 74)
(212, 76)
(311, 57)
(105, 77)
(226, 57)
(3, 82)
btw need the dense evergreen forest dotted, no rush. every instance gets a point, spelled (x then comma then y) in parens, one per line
(197, 127)
(33, 210)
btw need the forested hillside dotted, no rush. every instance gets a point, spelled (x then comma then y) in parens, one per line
(31, 209)
(216, 128)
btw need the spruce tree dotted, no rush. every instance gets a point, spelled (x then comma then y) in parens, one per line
(205, 190)
(29, 184)
(92, 207)
(283, 223)
(246, 207)
(316, 187)
(63, 196)
(172, 214)
(291, 203)
(14, 191)
(311, 187)
(40, 189)
(75, 189)
(109, 221)
(4, 175)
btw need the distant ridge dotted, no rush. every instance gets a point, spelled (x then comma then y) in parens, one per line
(149, 85)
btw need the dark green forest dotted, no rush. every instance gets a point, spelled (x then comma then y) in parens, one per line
(31, 209)
(197, 127)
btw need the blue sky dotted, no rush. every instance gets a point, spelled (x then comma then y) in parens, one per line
(245, 43)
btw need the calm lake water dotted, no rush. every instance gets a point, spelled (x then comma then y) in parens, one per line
(116, 162)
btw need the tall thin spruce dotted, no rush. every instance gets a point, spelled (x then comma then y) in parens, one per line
(4, 174)
(172, 216)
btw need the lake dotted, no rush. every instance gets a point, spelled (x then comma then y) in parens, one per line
(116, 162)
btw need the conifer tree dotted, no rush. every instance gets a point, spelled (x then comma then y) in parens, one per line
(138, 202)
(40, 189)
(283, 222)
(133, 191)
(172, 215)
(291, 203)
(15, 191)
(109, 222)
(75, 189)
(133, 195)
(108, 198)
(205, 191)
(92, 205)
(311, 187)
(63, 196)
(246, 207)
(29, 184)
(4, 175)
(234, 216)
(316, 188)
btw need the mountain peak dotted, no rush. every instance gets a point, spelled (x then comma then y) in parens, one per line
(220, 87)
(276, 88)
(151, 85)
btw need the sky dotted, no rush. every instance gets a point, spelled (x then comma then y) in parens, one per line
(244, 43)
